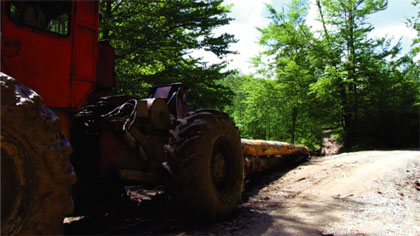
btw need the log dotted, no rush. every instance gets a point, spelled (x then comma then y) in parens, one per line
(257, 165)
(261, 155)
(271, 148)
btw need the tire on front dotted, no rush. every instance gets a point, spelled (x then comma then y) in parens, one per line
(36, 175)
(205, 162)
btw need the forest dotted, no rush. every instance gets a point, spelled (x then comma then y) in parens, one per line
(363, 91)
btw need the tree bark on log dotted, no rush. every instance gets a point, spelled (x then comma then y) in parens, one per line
(271, 148)
(261, 155)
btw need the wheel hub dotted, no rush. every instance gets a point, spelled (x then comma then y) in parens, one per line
(219, 167)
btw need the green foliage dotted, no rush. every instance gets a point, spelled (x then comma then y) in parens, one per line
(256, 107)
(152, 40)
(296, 54)
(414, 22)
(339, 79)
(372, 105)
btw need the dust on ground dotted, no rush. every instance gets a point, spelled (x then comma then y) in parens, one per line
(361, 193)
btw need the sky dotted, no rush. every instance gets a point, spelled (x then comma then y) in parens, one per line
(250, 14)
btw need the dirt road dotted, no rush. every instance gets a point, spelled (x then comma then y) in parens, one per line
(363, 193)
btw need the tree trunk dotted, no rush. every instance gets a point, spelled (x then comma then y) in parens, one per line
(294, 115)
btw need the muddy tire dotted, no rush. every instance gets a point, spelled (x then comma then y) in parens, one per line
(205, 162)
(36, 175)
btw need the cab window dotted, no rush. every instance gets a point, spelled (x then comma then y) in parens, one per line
(48, 16)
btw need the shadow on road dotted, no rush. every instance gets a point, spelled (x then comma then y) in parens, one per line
(155, 216)
(256, 182)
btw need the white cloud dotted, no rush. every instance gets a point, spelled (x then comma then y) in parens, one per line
(248, 12)
(248, 15)
(396, 31)
(312, 16)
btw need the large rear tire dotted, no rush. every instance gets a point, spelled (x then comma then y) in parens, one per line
(206, 165)
(36, 175)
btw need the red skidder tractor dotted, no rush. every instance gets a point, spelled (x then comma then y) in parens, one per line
(51, 50)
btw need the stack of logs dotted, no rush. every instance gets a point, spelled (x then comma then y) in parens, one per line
(262, 155)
